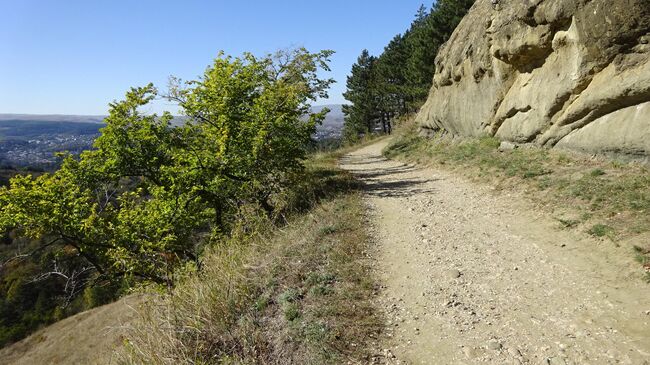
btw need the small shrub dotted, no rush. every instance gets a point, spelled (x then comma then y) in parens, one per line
(328, 230)
(262, 303)
(534, 173)
(642, 255)
(315, 278)
(601, 230)
(597, 172)
(291, 311)
(289, 296)
(320, 290)
(544, 183)
(563, 159)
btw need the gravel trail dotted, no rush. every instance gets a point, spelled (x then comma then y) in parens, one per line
(472, 276)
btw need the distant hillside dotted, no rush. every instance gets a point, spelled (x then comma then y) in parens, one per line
(53, 118)
(333, 124)
(24, 125)
(25, 129)
(32, 140)
(334, 117)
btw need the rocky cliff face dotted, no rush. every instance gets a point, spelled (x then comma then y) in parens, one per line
(560, 73)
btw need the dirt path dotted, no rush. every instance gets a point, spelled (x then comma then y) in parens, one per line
(471, 276)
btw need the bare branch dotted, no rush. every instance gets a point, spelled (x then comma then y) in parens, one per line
(19, 257)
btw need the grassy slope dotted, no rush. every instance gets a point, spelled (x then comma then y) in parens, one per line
(606, 199)
(297, 292)
(86, 338)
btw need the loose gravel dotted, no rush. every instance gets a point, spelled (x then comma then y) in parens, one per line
(470, 275)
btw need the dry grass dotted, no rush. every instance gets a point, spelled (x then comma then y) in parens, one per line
(293, 288)
(298, 294)
(90, 337)
(607, 199)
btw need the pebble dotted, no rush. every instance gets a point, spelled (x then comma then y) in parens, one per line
(555, 361)
(453, 273)
(389, 354)
(514, 353)
(494, 345)
(473, 353)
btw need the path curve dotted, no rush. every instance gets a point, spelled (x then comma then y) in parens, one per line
(472, 276)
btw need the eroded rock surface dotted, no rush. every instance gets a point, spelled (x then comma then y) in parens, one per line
(559, 73)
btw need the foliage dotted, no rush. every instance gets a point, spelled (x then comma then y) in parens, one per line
(601, 230)
(248, 132)
(299, 294)
(31, 298)
(398, 81)
(149, 196)
(360, 91)
(642, 256)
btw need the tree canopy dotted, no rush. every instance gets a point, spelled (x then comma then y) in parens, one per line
(144, 199)
(397, 82)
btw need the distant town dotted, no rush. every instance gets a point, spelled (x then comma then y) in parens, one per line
(40, 152)
(32, 141)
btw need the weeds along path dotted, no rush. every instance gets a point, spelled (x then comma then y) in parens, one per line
(470, 276)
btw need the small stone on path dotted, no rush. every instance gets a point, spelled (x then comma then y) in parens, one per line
(555, 361)
(494, 345)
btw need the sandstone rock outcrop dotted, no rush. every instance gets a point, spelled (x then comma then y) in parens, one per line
(559, 73)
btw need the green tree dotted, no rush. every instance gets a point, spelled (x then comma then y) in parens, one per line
(429, 31)
(392, 88)
(361, 114)
(246, 128)
(422, 46)
(138, 204)
(402, 75)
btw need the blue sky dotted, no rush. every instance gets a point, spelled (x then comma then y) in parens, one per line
(74, 57)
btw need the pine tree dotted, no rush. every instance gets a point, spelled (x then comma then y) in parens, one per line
(393, 89)
(423, 47)
(398, 81)
(361, 89)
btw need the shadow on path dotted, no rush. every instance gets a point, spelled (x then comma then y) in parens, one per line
(386, 181)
